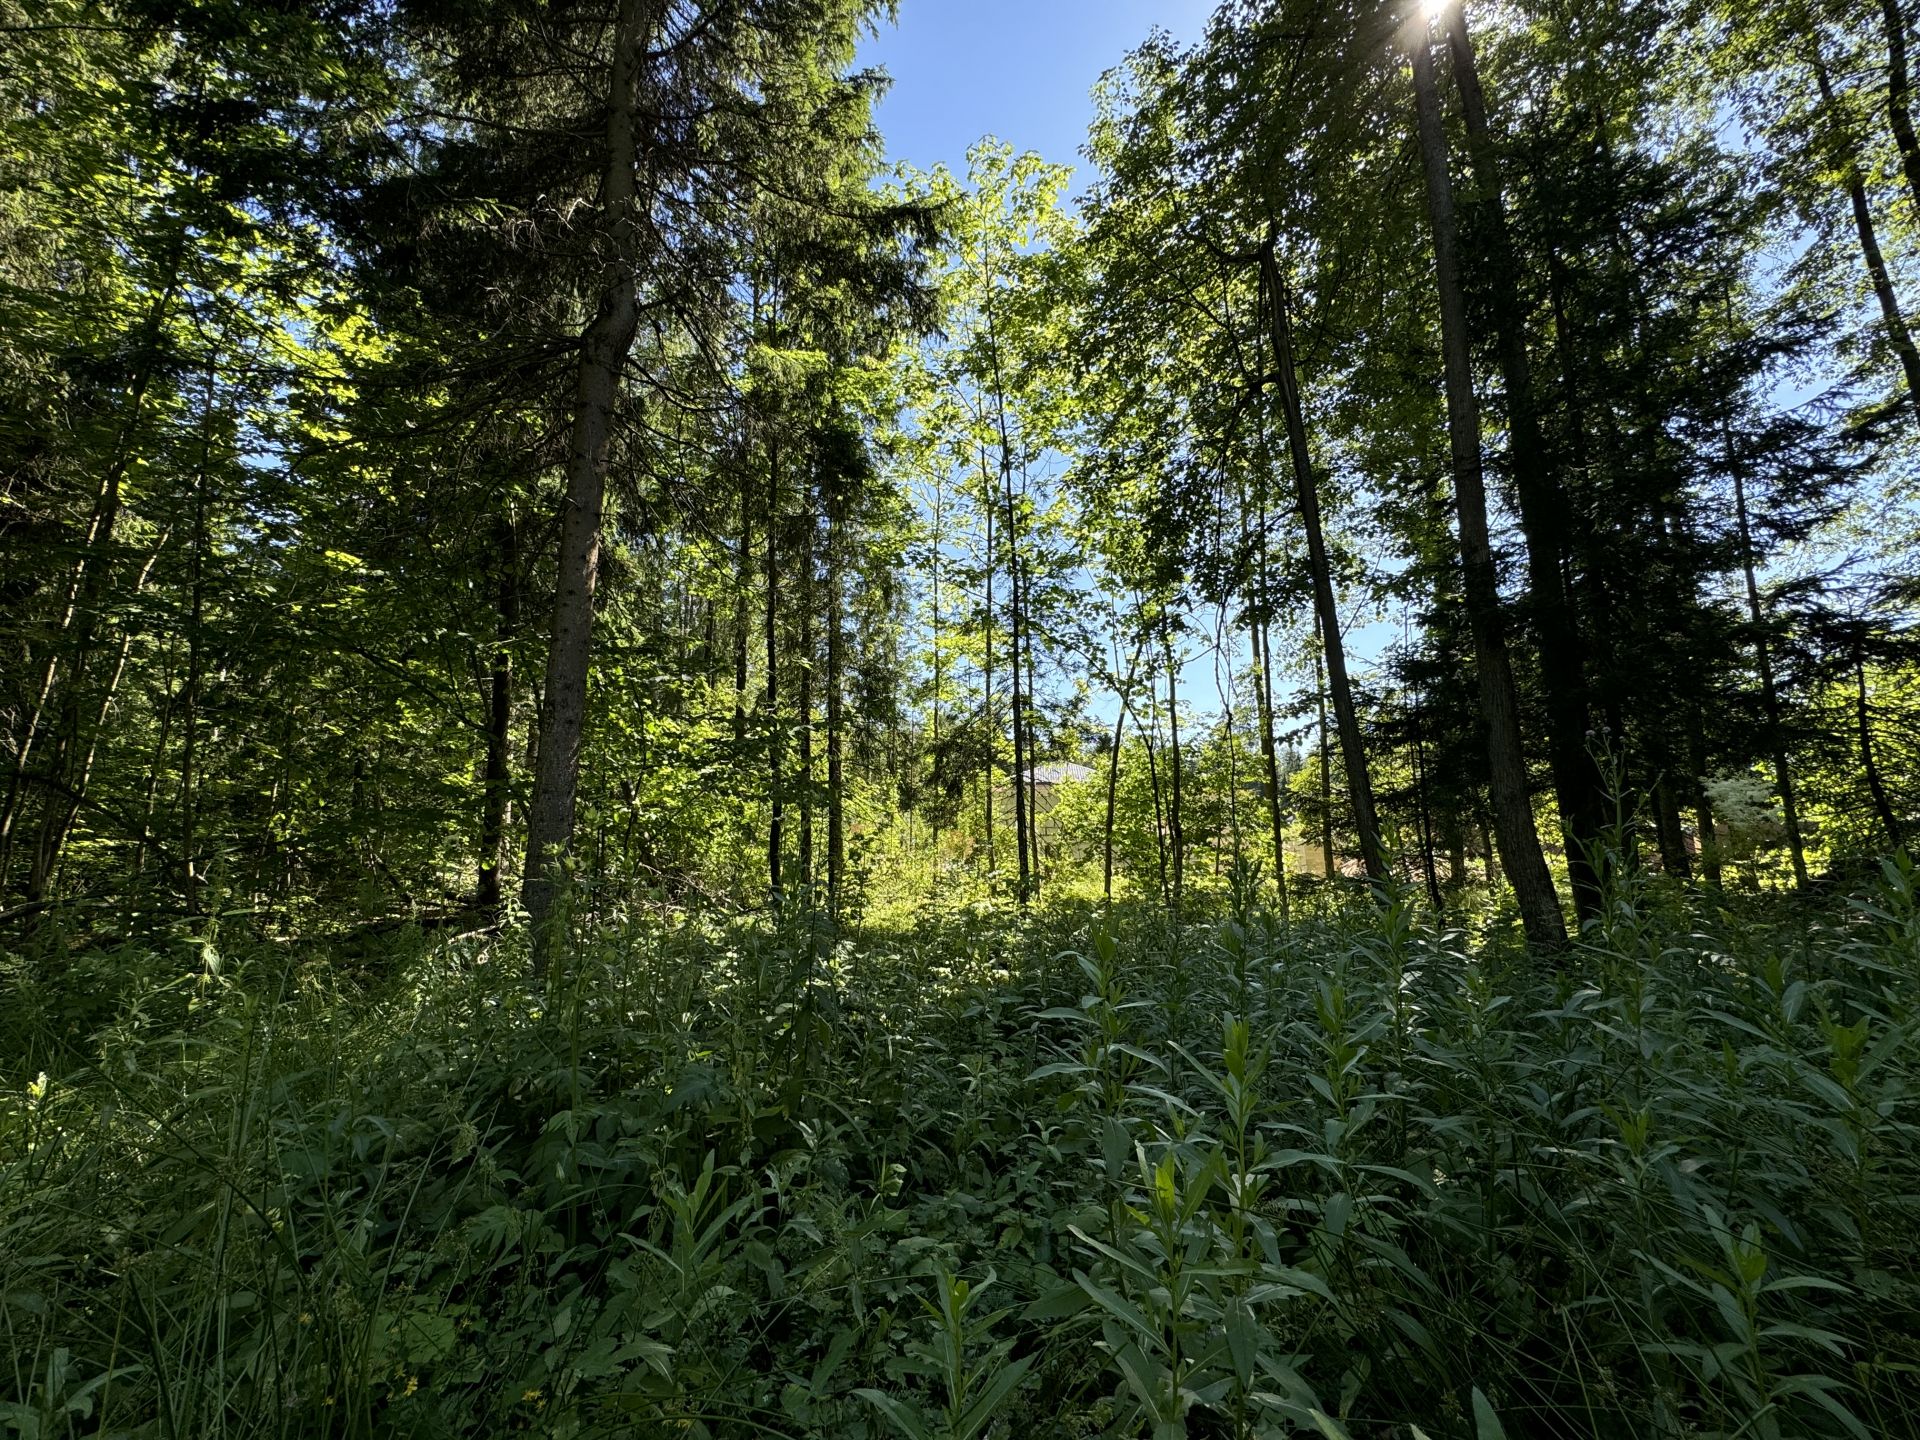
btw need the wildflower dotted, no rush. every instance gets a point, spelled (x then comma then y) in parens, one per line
(413, 1384)
(527, 1397)
(306, 1317)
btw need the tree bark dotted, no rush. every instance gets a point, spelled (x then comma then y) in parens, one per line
(497, 783)
(1667, 829)
(87, 581)
(149, 800)
(68, 785)
(1329, 871)
(1352, 751)
(1033, 781)
(1519, 841)
(836, 664)
(1769, 689)
(1176, 830)
(1702, 799)
(1869, 763)
(1022, 760)
(1149, 733)
(1425, 810)
(1899, 336)
(1022, 750)
(988, 504)
(803, 705)
(1542, 501)
(742, 619)
(1270, 755)
(933, 566)
(196, 667)
(603, 356)
(1113, 772)
(1262, 646)
(1900, 94)
(776, 732)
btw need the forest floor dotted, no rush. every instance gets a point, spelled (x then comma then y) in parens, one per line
(976, 1174)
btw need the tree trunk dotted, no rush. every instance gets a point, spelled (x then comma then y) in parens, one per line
(1113, 772)
(150, 798)
(1900, 94)
(1425, 811)
(1702, 799)
(1520, 851)
(803, 762)
(776, 732)
(1176, 831)
(742, 620)
(86, 583)
(1270, 757)
(836, 664)
(1769, 690)
(603, 355)
(1328, 869)
(1229, 735)
(498, 782)
(1025, 832)
(1667, 828)
(1033, 783)
(988, 505)
(1149, 734)
(1898, 334)
(68, 785)
(1869, 764)
(1352, 752)
(1263, 693)
(196, 668)
(1542, 501)
(1022, 758)
(933, 565)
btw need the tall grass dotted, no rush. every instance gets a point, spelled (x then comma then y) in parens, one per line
(977, 1176)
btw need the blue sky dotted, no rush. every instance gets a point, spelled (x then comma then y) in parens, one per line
(1018, 69)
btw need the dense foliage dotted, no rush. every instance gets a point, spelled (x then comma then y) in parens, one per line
(663, 778)
(972, 1175)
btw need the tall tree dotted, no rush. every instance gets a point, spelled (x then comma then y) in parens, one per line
(1520, 850)
(603, 356)
(1540, 491)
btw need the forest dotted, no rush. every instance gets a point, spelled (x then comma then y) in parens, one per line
(668, 776)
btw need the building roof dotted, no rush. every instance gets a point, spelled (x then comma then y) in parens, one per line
(1060, 774)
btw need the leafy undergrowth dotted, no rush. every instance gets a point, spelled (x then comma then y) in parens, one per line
(980, 1177)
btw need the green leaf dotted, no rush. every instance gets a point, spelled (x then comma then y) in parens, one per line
(1337, 1212)
(1121, 1309)
(1486, 1424)
(1059, 1067)
(980, 1413)
(1243, 1341)
(904, 1417)
(1058, 1303)
(1064, 1012)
